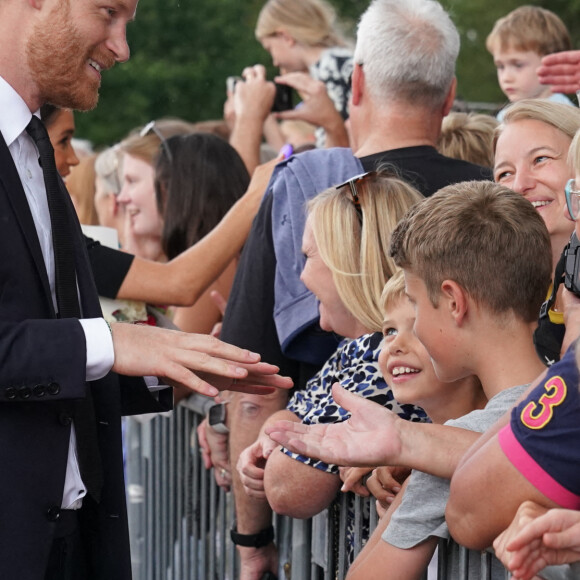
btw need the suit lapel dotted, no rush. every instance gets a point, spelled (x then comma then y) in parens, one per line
(12, 188)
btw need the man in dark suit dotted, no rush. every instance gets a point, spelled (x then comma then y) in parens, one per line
(62, 502)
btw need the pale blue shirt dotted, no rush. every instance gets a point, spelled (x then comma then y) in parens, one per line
(554, 98)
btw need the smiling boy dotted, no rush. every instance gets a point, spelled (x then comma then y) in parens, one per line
(517, 42)
(408, 369)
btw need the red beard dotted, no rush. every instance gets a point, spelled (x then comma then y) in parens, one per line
(58, 59)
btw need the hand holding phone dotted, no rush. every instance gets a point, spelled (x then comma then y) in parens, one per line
(282, 99)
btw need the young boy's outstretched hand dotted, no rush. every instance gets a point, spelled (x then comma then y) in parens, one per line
(370, 437)
(561, 70)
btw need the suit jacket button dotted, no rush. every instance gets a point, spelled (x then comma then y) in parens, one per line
(65, 419)
(39, 390)
(24, 392)
(10, 393)
(53, 389)
(53, 513)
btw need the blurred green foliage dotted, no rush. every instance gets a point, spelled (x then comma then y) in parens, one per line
(183, 50)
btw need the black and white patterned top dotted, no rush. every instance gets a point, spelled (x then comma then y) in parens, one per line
(355, 365)
(334, 69)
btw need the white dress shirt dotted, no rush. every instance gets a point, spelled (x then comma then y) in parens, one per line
(14, 117)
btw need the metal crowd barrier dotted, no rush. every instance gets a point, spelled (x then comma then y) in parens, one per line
(179, 520)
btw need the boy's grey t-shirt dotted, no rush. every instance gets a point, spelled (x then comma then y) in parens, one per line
(422, 511)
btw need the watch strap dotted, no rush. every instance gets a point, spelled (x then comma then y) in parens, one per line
(259, 540)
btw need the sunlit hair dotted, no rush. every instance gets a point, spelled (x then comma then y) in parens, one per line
(408, 51)
(80, 183)
(468, 136)
(529, 28)
(147, 147)
(107, 166)
(559, 115)
(394, 291)
(574, 153)
(482, 235)
(309, 22)
(355, 250)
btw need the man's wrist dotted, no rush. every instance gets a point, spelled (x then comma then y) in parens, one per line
(251, 120)
(99, 347)
(258, 540)
(403, 442)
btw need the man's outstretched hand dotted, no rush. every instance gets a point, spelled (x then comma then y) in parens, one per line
(198, 362)
(370, 437)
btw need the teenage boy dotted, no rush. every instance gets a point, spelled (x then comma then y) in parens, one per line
(517, 43)
(533, 450)
(477, 263)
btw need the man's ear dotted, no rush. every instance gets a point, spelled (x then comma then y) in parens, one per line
(450, 98)
(357, 84)
(455, 299)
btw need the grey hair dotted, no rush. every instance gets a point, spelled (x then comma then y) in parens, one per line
(408, 50)
(107, 167)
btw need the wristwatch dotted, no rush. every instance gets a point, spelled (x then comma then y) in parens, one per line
(217, 418)
(259, 540)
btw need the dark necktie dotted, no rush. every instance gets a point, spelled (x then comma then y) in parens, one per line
(67, 301)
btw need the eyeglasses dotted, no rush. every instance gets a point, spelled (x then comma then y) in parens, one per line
(151, 127)
(353, 190)
(572, 199)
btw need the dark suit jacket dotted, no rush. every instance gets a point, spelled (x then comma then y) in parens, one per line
(42, 369)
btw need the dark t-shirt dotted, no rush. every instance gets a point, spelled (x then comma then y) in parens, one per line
(425, 168)
(249, 321)
(541, 439)
(109, 267)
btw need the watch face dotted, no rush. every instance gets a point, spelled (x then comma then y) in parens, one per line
(217, 415)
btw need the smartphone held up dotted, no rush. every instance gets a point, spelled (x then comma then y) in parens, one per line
(283, 100)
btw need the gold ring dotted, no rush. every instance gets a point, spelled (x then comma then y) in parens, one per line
(223, 473)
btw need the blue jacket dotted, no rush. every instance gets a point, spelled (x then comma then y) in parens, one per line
(293, 183)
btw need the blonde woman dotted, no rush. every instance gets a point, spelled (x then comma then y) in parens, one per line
(345, 242)
(531, 157)
(468, 136)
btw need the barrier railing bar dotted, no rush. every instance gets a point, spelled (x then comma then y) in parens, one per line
(180, 520)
